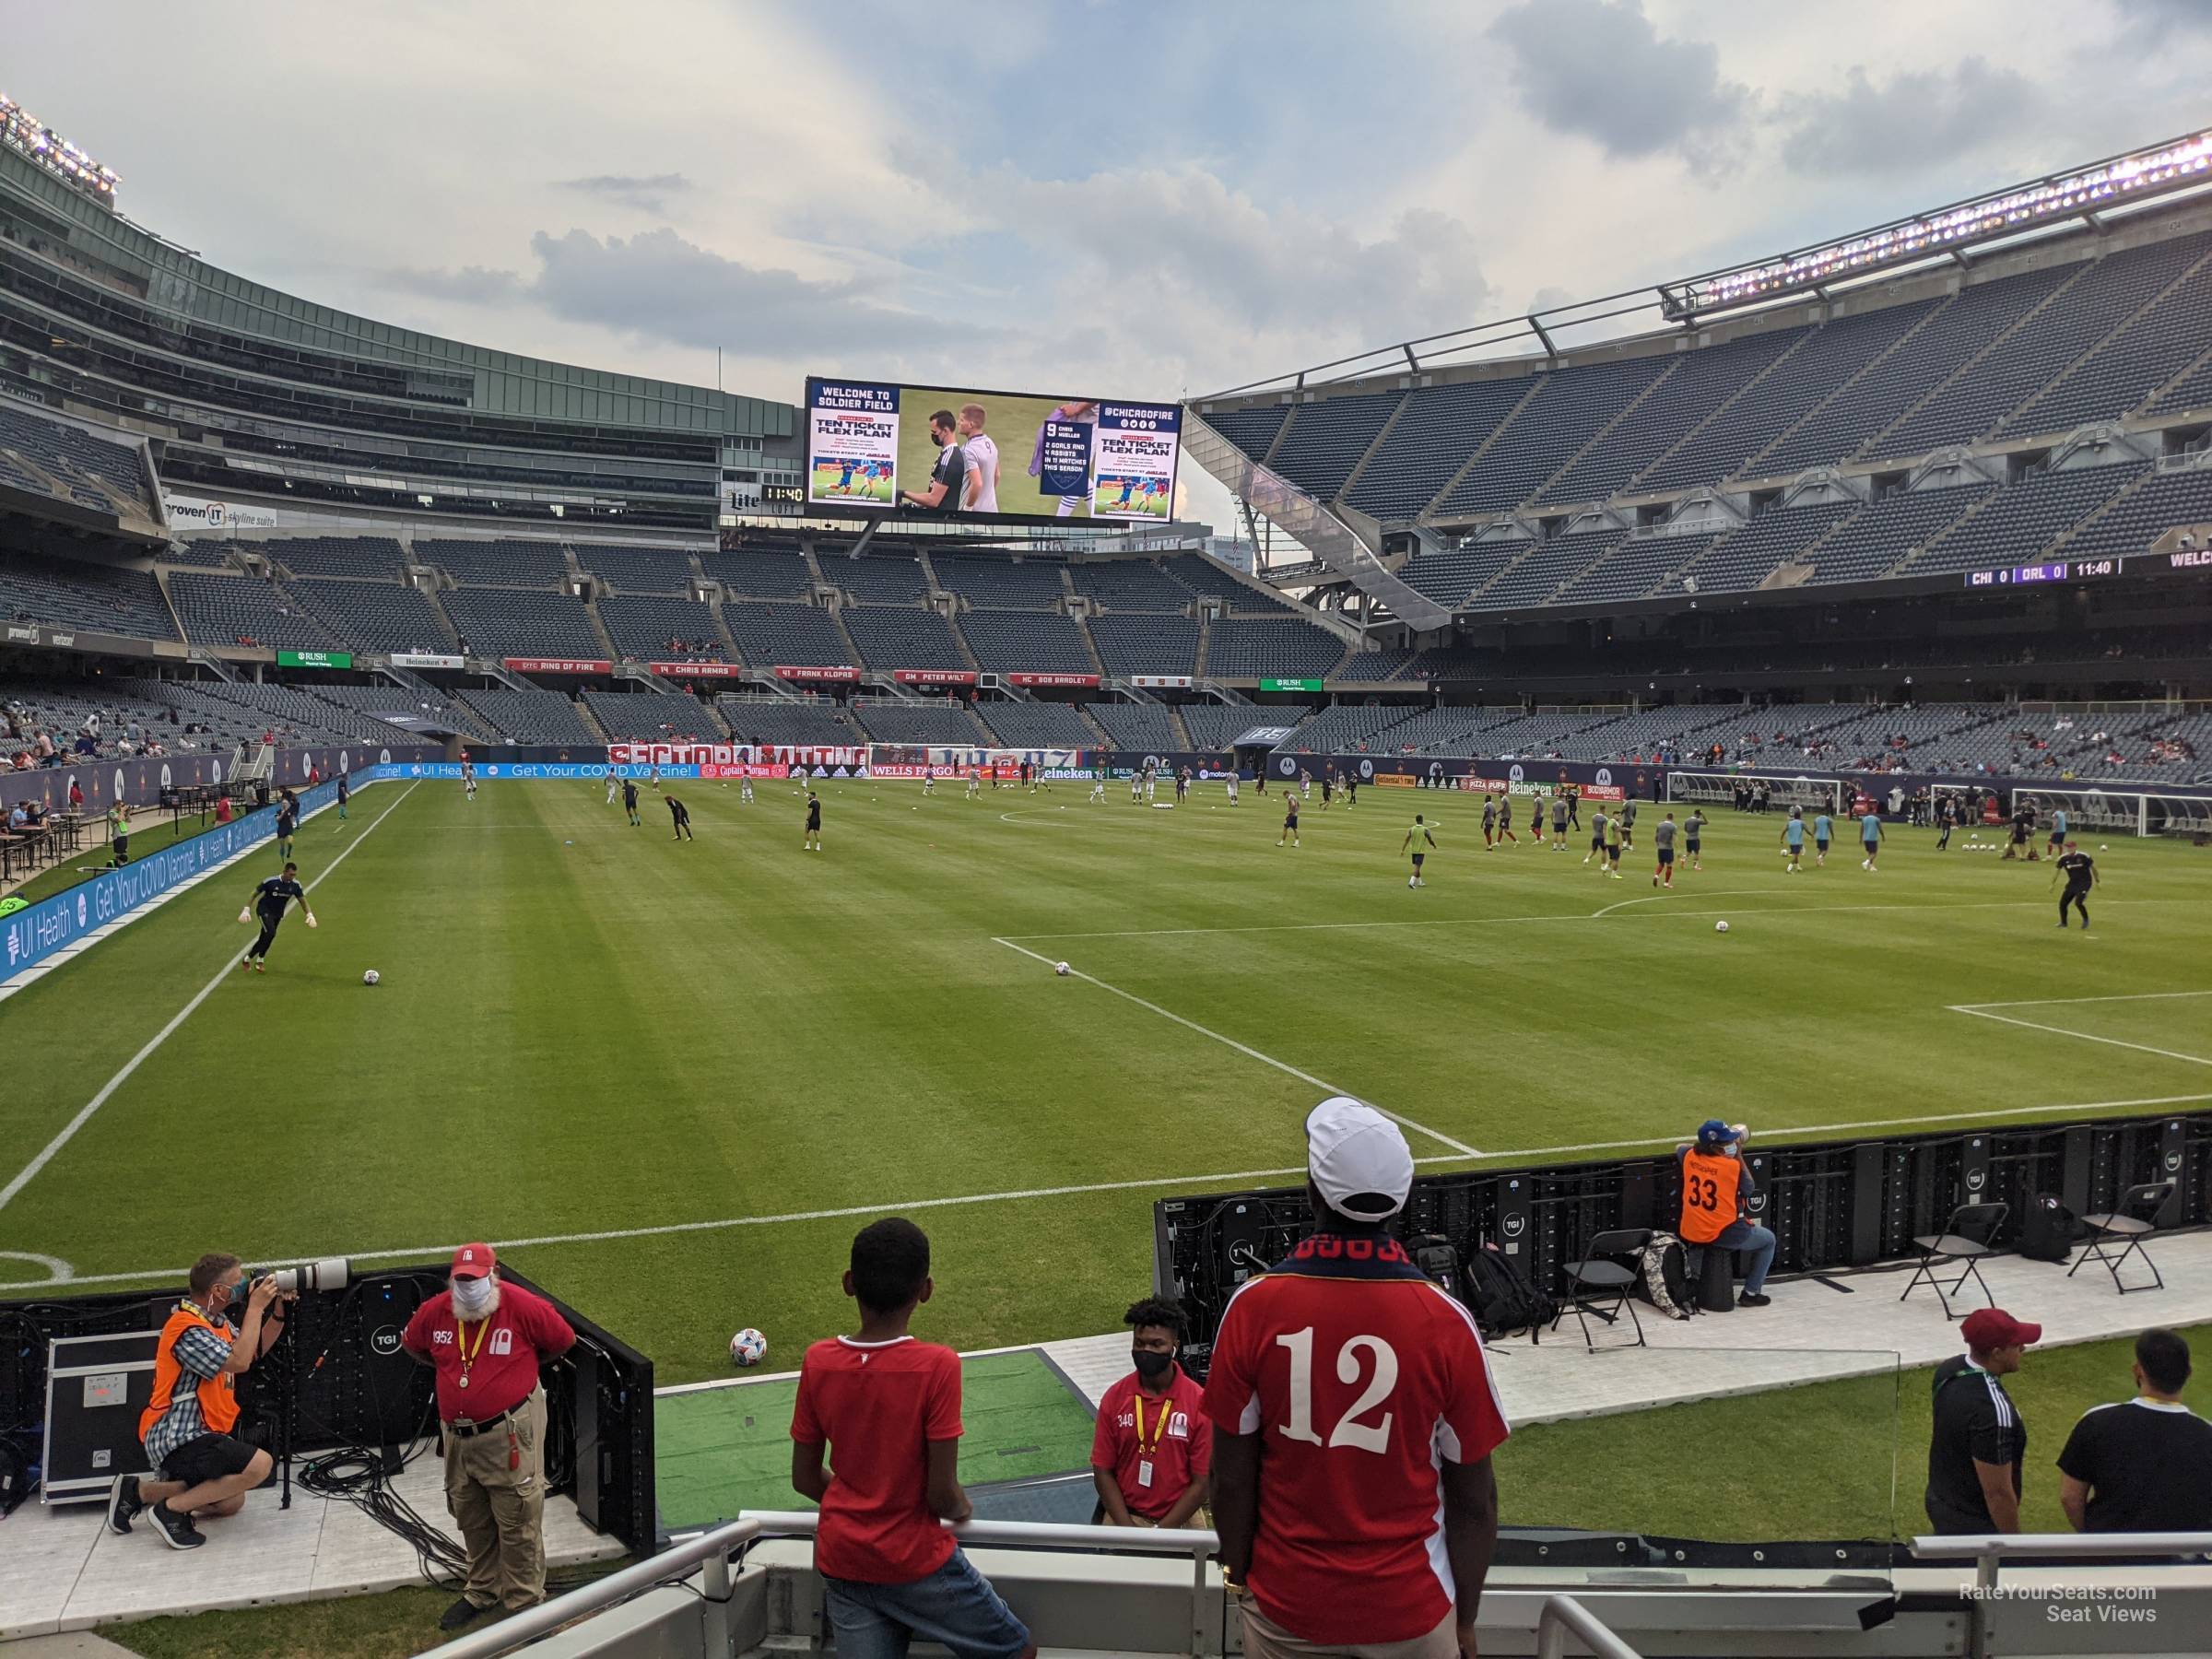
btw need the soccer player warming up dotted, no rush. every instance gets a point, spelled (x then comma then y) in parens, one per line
(1505, 821)
(2081, 871)
(814, 823)
(1232, 785)
(886, 1410)
(1289, 818)
(1663, 839)
(1792, 839)
(1354, 1418)
(272, 897)
(1420, 832)
(630, 802)
(681, 817)
(1489, 825)
(1870, 836)
(1693, 832)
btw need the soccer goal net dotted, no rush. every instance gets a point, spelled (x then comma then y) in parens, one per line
(2118, 811)
(1742, 789)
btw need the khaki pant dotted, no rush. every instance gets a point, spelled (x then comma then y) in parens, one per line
(502, 1510)
(1264, 1638)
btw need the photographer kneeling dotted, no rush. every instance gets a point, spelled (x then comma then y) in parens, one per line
(204, 1468)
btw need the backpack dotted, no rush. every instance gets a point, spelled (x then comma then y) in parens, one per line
(2048, 1229)
(1502, 1299)
(1433, 1255)
(1663, 1277)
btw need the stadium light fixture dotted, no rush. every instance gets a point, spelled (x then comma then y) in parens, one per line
(22, 131)
(2177, 164)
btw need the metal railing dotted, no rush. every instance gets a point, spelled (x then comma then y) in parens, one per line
(1563, 1616)
(1989, 1550)
(710, 1551)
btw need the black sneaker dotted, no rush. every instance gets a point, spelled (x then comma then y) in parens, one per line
(122, 1503)
(177, 1531)
(463, 1612)
(1752, 1299)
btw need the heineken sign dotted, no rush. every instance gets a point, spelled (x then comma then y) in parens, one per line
(314, 659)
(1289, 685)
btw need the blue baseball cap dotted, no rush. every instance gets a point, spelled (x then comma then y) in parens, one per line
(1714, 1133)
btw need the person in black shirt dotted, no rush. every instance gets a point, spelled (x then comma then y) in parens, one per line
(344, 794)
(1979, 1442)
(2144, 1465)
(814, 823)
(630, 802)
(271, 899)
(2081, 871)
(681, 814)
(287, 822)
(949, 476)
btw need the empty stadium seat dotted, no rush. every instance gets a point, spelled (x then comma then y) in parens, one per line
(371, 557)
(1137, 726)
(1440, 430)
(78, 593)
(1562, 416)
(1250, 647)
(2021, 520)
(932, 724)
(375, 616)
(2127, 368)
(516, 622)
(1633, 569)
(1879, 535)
(795, 635)
(497, 563)
(633, 570)
(1130, 584)
(1252, 430)
(1039, 724)
(1327, 438)
(2130, 524)
(1217, 726)
(876, 580)
(1747, 556)
(1026, 641)
(1146, 644)
(1544, 566)
(245, 610)
(649, 717)
(1449, 575)
(529, 716)
(765, 721)
(1001, 583)
(759, 573)
(655, 629)
(900, 636)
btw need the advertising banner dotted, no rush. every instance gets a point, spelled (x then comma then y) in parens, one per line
(558, 666)
(1081, 681)
(1133, 465)
(424, 659)
(852, 443)
(666, 755)
(1289, 685)
(933, 676)
(314, 659)
(696, 670)
(1029, 456)
(196, 512)
(37, 637)
(1171, 681)
(840, 675)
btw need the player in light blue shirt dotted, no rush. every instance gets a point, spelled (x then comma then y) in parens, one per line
(1792, 839)
(1870, 835)
(2058, 831)
(1824, 831)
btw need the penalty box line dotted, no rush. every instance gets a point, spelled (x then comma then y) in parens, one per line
(1461, 1147)
(433, 1253)
(68, 1133)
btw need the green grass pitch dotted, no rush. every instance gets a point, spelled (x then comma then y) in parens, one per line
(680, 1075)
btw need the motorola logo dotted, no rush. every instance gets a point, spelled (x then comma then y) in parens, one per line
(1436, 769)
(1514, 774)
(164, 778)
(1604, 774)
(1367, 769)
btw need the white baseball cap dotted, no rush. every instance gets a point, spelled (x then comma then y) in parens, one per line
(1358, 1158)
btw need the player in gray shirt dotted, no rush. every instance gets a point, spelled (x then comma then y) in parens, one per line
(1597, 839)
(1627, 823)
(1664, 839)
(1558, 822)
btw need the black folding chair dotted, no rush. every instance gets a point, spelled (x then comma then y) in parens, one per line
(1600, 1283)
(2134, 1221)
(1967, 1236)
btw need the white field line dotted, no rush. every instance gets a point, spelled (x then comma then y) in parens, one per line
(433, 1253)
(2033, 1025)
(2051, 1002)
(1786, 909)
(1249, 1053)
(29, 1170)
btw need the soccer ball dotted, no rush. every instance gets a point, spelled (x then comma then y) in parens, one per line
(1720, 928)
(748, 1347)
(2103, 847)
(370, 977)
(1060, 968)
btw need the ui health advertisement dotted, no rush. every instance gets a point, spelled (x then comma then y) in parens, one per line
(873, 446)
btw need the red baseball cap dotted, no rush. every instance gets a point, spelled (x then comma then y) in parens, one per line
(475, 1261)
(1988, 1328)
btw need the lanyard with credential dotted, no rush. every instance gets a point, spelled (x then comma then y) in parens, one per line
(468, 1355)
(1159, 1429)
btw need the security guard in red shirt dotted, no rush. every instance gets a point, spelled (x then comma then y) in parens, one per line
(485, 1340)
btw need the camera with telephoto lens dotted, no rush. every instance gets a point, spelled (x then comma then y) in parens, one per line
(329, 1274)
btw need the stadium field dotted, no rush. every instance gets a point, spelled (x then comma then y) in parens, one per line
(677, 1077)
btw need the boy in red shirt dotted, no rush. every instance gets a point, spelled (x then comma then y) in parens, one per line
(890, 1405)
(1153, 1446)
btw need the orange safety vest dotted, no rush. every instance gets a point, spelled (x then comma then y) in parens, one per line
(218, 1397)
(1709, 1197)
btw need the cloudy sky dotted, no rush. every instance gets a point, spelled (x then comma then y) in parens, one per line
(1131, 198)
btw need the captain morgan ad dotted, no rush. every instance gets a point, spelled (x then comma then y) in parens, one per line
(873, 444)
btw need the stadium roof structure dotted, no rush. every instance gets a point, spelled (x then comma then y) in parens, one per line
(2090, 192)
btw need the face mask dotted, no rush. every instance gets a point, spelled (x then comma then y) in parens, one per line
(1151, 1367)
(473, 1297)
